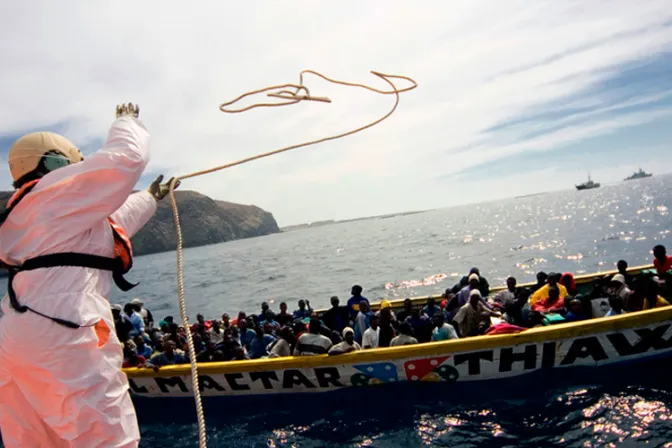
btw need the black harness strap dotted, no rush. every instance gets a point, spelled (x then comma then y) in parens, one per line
(115, 265)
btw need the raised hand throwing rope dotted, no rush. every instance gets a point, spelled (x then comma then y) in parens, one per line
(299, 92)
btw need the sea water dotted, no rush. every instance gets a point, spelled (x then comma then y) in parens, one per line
(419, 254)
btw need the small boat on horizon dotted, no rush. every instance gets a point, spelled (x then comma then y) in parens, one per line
(588, 185)
(641, 174)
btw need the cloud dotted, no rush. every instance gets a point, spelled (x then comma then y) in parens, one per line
(497, 80)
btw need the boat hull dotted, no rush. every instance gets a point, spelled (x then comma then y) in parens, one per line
(586, 187)
(590, 344)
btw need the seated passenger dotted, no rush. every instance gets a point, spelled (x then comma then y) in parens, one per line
(567, 280)
(372, 334)
(226, 321)
(312, 343)
(230, 346)
(464, 296)
(245, 334)
(269, 322)
(283, 345)
(616, 306)
(142, 348)
(348, 345)
(431, 309)
(622, 267)
(169, 356)
(542, 277)
(508, 295)
(652, 299)
(472, 314)
(619, 288)
(483, 284)
(442, 331)
(551, 304)
(406, 312)
(661, 261)
(283, 317)
(304, 311)
(406, 336)
(131, 356)
(543, 292)
(575, 311)
(211, 354)
(264, 308)
(422, 325)
(215, 334)
(259, 345)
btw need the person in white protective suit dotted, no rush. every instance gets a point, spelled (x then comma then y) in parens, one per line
(64, 238)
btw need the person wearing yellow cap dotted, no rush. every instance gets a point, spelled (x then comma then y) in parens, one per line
(64, 238)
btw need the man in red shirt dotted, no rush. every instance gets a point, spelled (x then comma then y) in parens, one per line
(661, 261)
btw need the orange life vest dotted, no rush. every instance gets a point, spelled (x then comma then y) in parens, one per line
(119, 265)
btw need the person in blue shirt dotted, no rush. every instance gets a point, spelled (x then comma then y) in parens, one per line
(134, 318)
(142, 348)
(431, 309)
(169, 356)
(259, 345)
(363, 320)
(269, 324)
(442, 330)
(245, 334)
(616, 306)
(304, 310)
(355, 300)
(575, 311)
(422, 325)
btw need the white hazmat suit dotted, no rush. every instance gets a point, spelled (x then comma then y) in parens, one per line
(63, 387)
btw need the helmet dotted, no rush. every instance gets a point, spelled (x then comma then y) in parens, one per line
(27, 152)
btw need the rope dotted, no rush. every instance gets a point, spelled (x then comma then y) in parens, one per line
(300, 93)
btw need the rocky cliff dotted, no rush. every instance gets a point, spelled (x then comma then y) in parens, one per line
(204, 221)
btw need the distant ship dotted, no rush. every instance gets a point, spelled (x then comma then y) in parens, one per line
(588, 185)
(639, 175)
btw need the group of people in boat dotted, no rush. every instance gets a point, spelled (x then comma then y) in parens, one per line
(465, 310)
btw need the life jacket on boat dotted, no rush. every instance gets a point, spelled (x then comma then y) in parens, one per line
(119, 265)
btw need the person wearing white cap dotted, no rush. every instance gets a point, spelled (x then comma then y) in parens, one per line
(619, 288)
(143, 312)
(348, 345)
(471, 314)
(65, 237)
(464, 294)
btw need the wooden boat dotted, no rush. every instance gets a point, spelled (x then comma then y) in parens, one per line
(595, 343)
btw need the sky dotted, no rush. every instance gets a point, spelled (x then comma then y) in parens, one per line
(514, 97)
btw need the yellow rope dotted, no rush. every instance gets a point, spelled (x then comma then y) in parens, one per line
(300, 93)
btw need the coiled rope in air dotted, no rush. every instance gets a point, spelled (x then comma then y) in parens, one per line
(291, 94)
